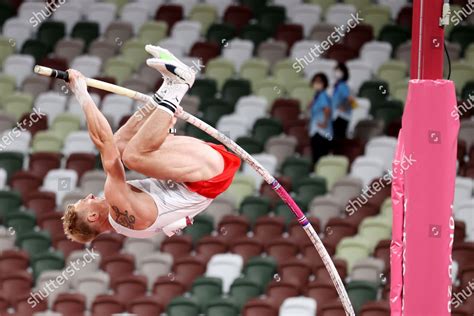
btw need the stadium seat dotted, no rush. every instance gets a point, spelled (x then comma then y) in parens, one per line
(134, 13)
(361, 292)
(209, 246)
(238, 16)
(186, 32)
(254, 70)
(34, 242)
(226, 267)
(119, 68)
(271, 17)
(11, 162)
(462, 34)
(204, 51)
(205, 14)
(377, 16)
(17, 30)
(87, 31)
(222, 306)
(308, 188)
(233, 126)
(72, 303)
(296, 168)
(166, 288)
(282, 147)
(68, 48)
(352, 249)
(242, 290)
(107, 304)
(395, 35)
(306, 14)
(153, 31)
(203, 225)
(177, 246)
(260, 307)
(220, 70)
(254, 207)
(169, 13)
(220, 33)
(298, 305)
(376, 53)
(21, 222)
(145, 305)
(50, 32)
(15, 284)
(234, 89)
(260, 270)
(205, 289)
(238, 51)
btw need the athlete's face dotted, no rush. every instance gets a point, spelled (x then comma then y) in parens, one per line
(92, 207)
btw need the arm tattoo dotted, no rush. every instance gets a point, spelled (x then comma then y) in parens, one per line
(123, 218)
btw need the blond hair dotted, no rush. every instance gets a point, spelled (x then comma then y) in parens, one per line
(76, 228)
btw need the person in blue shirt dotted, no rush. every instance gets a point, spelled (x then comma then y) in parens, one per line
(341, 105)
(320, 124)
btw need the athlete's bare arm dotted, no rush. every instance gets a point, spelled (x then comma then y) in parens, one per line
(128, 207)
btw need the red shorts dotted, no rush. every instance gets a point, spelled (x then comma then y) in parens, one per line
(218, 184)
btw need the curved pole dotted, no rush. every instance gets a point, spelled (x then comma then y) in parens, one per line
(282, 193)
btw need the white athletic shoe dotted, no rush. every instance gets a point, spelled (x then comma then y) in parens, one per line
(178, 77)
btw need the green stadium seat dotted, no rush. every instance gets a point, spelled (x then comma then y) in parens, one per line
(389, 111)
(284, 73)
(243, 290)
(66, 123)
(182, 306)
(233, 89)
(10, 201)
(282, 210)
(296, 168)
(6, 12)
(257, 6)
(302, 91)
(254, 70)
(220, 70)
(332, 168)
(260, 270)
(400, 90)
(222, 306)
(250, 145)
(462, 34)
(7, 48)
(352, 249)
(376, 16)
(205, 289)
(393, 71)
(21, 222)
(467, 90)
(193, 131)
(220, 33)
(395, 35)
(461, 73)
(271, 89)
(50, 32)
(153, 31)
(359, 4)
(214, 112)
(11, 162)
(254, 207)
(7, 86)
(241, 187)
(309, 188)
(361, 292)
(87, 31)
(119, 68)
(255, 33)
(34, 242)
(205, 14)
(271, 17)
(264, 128)
(46, 261)
(133, 51)
(203, 225)
(205, 89)
(47, 141)
(376, 91)
(35, 48)
(375, 229)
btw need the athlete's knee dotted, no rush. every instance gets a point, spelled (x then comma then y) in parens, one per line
(131, 156)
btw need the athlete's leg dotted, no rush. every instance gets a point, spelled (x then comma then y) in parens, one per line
(151, 151)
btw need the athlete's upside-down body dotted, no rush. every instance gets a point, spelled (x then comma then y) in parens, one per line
(185, 173)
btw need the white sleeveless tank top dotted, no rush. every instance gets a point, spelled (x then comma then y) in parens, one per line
(175, 203)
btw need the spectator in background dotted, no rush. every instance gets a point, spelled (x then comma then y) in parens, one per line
(320, 124)
(341, 102)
